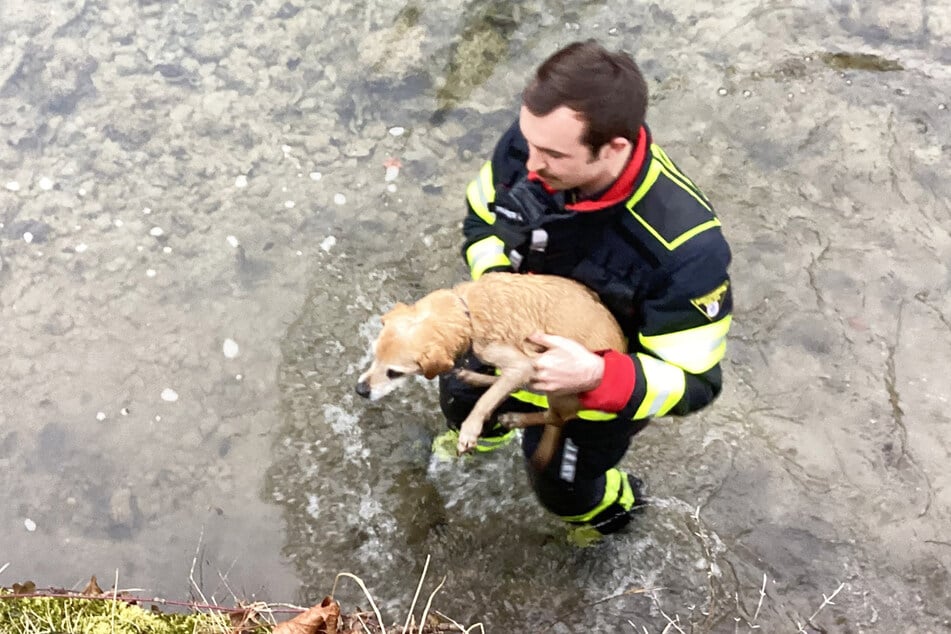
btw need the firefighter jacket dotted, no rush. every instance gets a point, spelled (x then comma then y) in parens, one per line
(651, 247)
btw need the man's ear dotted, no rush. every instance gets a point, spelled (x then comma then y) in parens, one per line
(434, 361)
(615, 146)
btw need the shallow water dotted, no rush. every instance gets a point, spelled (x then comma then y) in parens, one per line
(191, 174)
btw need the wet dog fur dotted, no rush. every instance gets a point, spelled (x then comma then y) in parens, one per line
(494, 316)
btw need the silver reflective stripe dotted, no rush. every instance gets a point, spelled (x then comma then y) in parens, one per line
(569, 461)
(539, 240)
(516, 259)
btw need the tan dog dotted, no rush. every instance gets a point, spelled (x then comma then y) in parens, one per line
(493, 316)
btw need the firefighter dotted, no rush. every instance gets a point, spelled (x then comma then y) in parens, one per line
(577, 187)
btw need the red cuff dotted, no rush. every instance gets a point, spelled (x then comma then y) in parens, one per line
(617, 384)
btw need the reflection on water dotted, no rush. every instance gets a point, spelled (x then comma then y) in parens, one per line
(176, 175)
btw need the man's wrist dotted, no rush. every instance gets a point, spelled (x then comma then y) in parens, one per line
(616, 385)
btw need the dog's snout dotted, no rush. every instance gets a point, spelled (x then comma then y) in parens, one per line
(363, 389)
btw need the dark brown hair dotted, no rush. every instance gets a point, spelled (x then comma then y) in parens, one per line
(606, 88)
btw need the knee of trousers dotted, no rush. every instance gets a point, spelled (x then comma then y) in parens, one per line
(603, 503)
(457, 398)
(565, 499)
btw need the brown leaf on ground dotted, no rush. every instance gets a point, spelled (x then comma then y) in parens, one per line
(92, 588)
(27, 587)
(320, 619)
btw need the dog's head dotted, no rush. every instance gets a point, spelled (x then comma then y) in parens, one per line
(423, 339)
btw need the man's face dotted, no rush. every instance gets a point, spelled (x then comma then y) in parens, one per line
(555, 150)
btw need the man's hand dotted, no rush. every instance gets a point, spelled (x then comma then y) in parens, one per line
(566, 367)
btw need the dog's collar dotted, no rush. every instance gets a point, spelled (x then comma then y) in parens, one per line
(465, 306)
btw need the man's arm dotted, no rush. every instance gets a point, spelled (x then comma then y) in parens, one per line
(673, 368)
(482, 248)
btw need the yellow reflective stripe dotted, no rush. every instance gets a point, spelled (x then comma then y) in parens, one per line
(653, 171)
(616, 489)
(593, 414)
(665, 387)
(695, 350)
(540, 400)
(481, 192)
(710, 224)
(485, 254)
(532, 398)
(677, 176)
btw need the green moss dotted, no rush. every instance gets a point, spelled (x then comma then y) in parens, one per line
(481, 45)
(861, 61)
(102, 616)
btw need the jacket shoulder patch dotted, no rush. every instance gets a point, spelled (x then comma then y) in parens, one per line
(711, 303)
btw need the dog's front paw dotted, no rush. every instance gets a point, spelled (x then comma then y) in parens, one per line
(512, 420)
(467, 442)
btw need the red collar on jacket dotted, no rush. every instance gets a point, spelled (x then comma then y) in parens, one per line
(620, 190)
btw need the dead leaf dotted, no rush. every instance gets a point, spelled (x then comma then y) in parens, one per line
(92, 588)
(27, 587)
(320, 619)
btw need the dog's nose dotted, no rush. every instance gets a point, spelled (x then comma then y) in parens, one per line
(363, 389)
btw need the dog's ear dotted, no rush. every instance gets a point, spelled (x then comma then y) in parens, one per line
(434, 361)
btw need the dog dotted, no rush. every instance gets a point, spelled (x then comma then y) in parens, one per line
(493, 316)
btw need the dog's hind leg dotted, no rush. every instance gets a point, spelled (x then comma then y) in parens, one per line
(560, 410)
(519, 420)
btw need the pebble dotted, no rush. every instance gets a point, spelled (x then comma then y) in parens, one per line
(81, 247)
(230, 348)
(328, 243)
(46, 184)
(150, 273)
(156, 231)
(100, 416)
(13, 186)
(233, 241)
(722, 92)
(241, 181)
(340, 199)
(316, 176)
(289, 204)
(170, 395)
(397, 130)
(29, 524)
(28, 237)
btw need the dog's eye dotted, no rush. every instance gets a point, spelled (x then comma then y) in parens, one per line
(394, 374)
